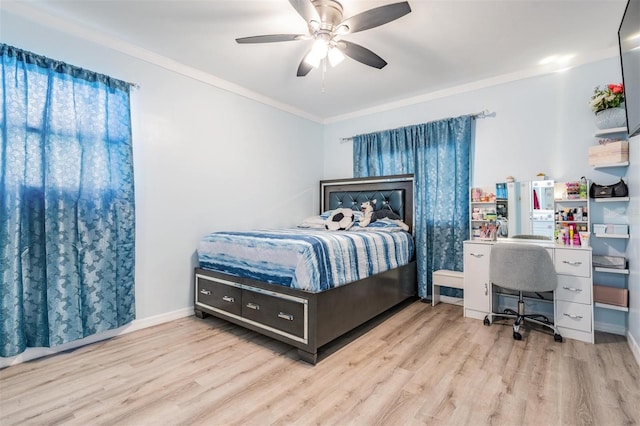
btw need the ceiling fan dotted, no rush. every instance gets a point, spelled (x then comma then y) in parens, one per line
(327, 27)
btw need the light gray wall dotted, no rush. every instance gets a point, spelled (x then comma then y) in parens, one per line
(633, 248)
(541, 124)
(204, 159)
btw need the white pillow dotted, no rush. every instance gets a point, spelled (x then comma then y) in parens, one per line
(312, 222)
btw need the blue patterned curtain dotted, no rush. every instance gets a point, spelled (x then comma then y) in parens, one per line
(437, 153)
(66, 203)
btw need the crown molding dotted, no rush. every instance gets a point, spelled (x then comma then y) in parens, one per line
(41, 17)
(477, 85)
(75, 29)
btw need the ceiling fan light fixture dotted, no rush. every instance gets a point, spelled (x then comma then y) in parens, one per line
(317, 53)
(312, 60)
(341, 29)
(335, 56)
(320, 47)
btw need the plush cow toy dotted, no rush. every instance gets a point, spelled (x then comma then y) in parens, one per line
(371, 216)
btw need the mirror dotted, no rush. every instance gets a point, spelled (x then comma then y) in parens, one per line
(525, 208)
(542, 211)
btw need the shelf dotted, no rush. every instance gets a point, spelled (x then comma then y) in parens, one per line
(617, 133)
(571, 200)
(611, 200)
(611, 270)
(483, 202)
(483, 220)
(572, 221)
(612, 131)
(612, 307)
(606, 166)
(624, 236)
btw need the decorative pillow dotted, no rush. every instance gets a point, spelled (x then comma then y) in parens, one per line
(313, 222)
(325, 215)
(340, 220)
(319, 221)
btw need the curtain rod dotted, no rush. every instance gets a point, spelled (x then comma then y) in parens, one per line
(62, 67)
(476, 116)
(483, 114)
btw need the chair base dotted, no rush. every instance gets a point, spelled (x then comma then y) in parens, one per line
(520, 318)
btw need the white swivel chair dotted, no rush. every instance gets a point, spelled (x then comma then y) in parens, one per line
(524, 268)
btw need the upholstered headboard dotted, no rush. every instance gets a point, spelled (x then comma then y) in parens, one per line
(390, 192)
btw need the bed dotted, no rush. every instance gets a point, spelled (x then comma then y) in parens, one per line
(314, 306)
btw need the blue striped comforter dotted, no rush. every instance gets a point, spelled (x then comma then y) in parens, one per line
(308, 259)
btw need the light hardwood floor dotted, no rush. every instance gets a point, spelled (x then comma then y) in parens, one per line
(416, 365)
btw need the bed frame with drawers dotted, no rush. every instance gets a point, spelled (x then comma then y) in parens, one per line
(307, 320)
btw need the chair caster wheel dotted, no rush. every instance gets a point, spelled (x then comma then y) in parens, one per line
(517, 336)
(557, 337)
(486, 321)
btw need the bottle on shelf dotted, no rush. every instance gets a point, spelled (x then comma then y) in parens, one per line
(583, 188)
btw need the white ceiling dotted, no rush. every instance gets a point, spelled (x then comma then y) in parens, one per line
(440, 47)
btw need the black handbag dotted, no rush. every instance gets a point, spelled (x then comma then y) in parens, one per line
(618, 189)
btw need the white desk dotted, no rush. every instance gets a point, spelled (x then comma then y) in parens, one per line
(572, 300)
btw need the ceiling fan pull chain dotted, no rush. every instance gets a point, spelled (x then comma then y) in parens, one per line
(324, 71)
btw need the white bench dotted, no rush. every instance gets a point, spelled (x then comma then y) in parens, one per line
(445, 278)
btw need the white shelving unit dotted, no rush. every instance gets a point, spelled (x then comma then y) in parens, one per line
(618, 169)
(623, 236)
(612, 131)
(611, 200)
(612, 270)
(612, 307)
(608, 166)
(481, 202)
(561, 202)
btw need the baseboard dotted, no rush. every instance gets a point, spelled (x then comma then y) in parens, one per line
(610, 328)
(34, 353)
(635, 349)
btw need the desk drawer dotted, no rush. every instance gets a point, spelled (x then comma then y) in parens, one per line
(273, 311)
(574, 289)
(218, 295)
(573, 262)
(573, 315)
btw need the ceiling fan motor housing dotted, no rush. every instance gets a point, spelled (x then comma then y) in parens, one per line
(330, 13)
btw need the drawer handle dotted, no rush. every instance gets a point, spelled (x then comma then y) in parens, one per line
(207, 292)
(253, 306)
(478, 255)
(486, 289)
(568, 262)
(573, 289)
(573, 316)
(228, 299)
(288, 317)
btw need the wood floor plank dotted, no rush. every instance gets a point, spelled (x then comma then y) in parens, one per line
(414, 365)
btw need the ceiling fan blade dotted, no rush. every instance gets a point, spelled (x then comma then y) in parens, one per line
(361, 54)
(375, 17)
(305, 9)
(271, 38)
(304, 68)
